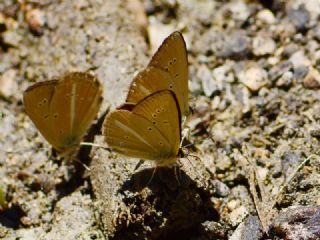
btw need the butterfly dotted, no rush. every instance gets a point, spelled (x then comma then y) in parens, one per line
(150, 130)
(62, 109)
(168, 69)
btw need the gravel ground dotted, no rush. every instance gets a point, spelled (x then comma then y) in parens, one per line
(254, 89)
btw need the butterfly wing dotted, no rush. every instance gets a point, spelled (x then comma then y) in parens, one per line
(151, 130)
(73, 103)
(37, 100)
(168, 69)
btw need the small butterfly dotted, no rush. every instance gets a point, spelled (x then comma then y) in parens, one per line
(63, 109)
(149, 130)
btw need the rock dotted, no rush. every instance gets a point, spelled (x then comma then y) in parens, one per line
(223, 74)
(237, 45)
(299, 222)
(208, 84)
(312, 79)
(249, 229)
(299, 17)
(213, 230)
(8, 84)
(263, 46)
(237, 215)
(36, 21)
(266, 16)
(299, 58)
(220, 189)
(239, 10)
(285, 80)
(278, 70)
(254, 78)
(300, 72)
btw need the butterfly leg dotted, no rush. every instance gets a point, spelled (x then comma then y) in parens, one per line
(153, 173)
(177, 169)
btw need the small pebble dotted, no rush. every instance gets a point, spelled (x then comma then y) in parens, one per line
(263, 46)
(249, 229)
(208, 84)
(312, 79)
(299, 17)
(237, 45)
(237, 215)
(254, 78)
(8, 84)
(266, 16)
(285, 80)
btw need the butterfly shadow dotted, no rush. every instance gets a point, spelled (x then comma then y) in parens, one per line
(156, 178)
(171, 194)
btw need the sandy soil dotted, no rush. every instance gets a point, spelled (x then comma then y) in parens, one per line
(254, 87)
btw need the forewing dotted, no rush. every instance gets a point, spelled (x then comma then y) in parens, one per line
(149, 81)
(172, 58)
(37, 100)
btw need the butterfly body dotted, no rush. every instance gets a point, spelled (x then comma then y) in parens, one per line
(63, 109)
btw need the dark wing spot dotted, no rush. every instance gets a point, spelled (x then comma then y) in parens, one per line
(56, 115)
(46, 116)
(166, 68)
(165, 122)
(177, 74)
(60, 131)
(150, 128)
(170, 63)
(154, 122)
(170, 86)
(174, 60)
(160, 143)
(44, 100)
(154, 115)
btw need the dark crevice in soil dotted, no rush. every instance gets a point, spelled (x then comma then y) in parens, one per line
(10, 218)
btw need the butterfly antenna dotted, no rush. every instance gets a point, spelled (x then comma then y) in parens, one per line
(95, 145)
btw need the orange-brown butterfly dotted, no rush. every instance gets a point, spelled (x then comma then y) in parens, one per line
(168, 69)
(150, 130)
(63, 109)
